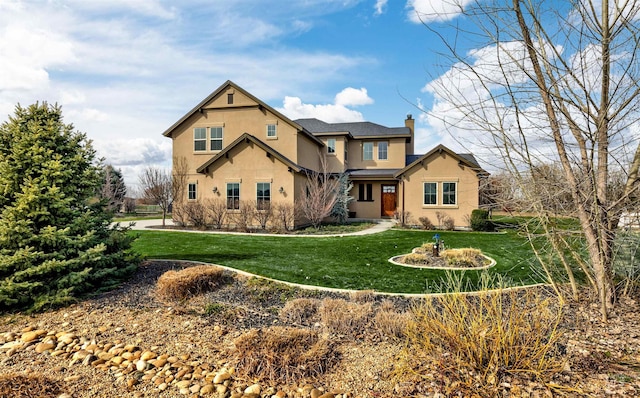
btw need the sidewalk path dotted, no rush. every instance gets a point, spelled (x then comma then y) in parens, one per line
(156, 224)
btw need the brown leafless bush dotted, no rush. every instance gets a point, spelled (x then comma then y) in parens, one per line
(280, 354)
(16, 385)
(263, 213)
(243, 217)
(194, 213)
(391, 323)
(216, 211)
(178, 285)
(426, 223)
(345, 318)
(299, 311)
(284, 215)
(362, 296)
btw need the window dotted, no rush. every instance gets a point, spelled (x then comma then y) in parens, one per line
(192, 191)
(367, 151)
(448, 193)
(233, 195)
(331, 145)
(272, 132)
(263, 195)
(382, 150)
(200, 139)
(430, 193)
(216, 138)
(365, 192)
(230, 98)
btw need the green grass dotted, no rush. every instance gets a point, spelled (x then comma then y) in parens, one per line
(352, 262)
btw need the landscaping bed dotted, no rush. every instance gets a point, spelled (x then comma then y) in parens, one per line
(203, 335)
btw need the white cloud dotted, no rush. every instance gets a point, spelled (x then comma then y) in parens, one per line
(353, 97)
(425, 11)
(294, 108)
(380, 7)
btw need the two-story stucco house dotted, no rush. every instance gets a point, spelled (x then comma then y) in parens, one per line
(238, 148)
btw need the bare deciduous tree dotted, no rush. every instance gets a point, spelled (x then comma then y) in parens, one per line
(156, 187)
(553, 82)
(319, 194)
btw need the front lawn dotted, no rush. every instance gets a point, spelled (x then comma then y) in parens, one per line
(352, 262)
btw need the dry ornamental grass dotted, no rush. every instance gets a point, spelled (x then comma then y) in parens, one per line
(179, 285)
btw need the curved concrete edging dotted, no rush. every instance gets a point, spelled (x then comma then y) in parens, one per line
(145, 225)
(492, 262)
(336, 290)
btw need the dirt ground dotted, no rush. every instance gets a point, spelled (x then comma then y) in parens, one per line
(599, 359)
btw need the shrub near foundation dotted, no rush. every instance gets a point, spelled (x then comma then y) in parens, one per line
(179, 285)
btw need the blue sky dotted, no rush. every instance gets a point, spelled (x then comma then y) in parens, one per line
(125, 70)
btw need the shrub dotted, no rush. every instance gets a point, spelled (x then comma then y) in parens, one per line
(466, 257)
(281, 354)
(299, 311)
(345, 318)
(195, 214)
(178, 285)
(475, 341)
(448, 223)
(390, 323)
(363, 296)
(15, 385)
(243, 217)
(216, 211)
(480, 220)
(403, 217)
(426, 223)
(284, 213)
(262, 213)
(414, 258)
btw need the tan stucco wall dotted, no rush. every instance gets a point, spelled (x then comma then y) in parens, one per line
(248, 165)
(365, 209)
(335, 161)
(395, 154)
(244, 116)
(439, 168)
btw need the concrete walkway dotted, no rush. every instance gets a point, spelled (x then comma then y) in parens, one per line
(156, 224)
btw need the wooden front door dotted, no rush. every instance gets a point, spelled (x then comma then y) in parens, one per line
(389, 200)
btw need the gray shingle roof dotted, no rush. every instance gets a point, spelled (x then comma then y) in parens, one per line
(356, 129)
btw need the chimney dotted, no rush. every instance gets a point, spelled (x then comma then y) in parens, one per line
(410, 124)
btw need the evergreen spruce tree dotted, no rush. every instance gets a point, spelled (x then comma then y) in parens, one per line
(340, 209)
(56, 242)
(114, 189)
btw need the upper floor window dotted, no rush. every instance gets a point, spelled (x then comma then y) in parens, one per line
(200, 139)
(383, 150)
(331, 145)
(430, 193)
(230, 98)
(272, 131)
(233, 195)
(192, 191)
(449, 193)
(216, 138)
(263, 195)
(367, 151)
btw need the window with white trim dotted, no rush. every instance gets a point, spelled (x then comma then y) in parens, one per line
(383, 150)
(272, 131)
(192, 191)
(233, 195)
(263, 195)
(430, 193)
(200, 139)
(331, 146)
(216, 138)
(367, 151)
(449, 193)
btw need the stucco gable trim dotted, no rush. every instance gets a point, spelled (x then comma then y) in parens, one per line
(438, 150)
(261, 104)
(246, 137)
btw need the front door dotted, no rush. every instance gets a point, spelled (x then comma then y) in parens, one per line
(389, 202)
